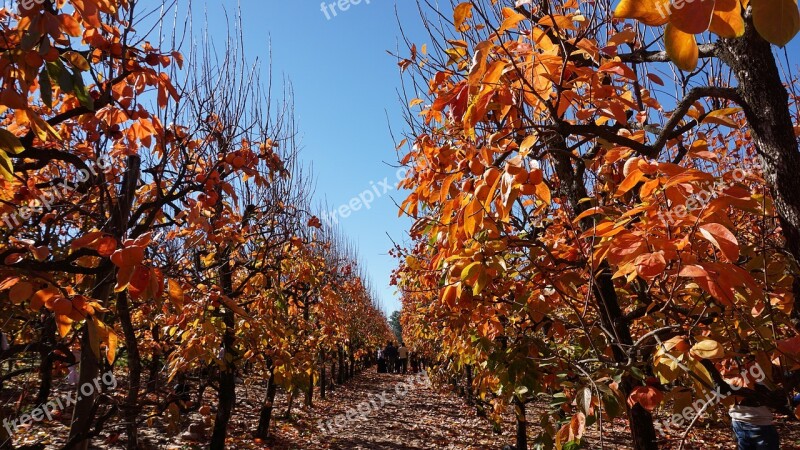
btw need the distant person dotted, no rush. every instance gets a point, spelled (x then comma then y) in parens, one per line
(752, 413)
(381, 361)
(754, 428)
(390, 352)
(402, 355)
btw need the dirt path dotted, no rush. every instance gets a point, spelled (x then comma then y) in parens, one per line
(402, 412)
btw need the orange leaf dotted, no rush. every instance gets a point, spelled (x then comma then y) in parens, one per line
(777, 21)
(692, 17)
(727, 20)
(460, 16)
(681, 48)
(20, 292)
(647, 396)
(723, 239)
(64, 324)
(649, 12)
(128, 257)
(176, 293)
(650, 265)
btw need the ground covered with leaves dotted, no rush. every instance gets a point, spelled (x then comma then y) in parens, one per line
(400, 412)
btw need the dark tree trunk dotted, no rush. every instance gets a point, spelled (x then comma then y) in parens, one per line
(332, 385)
(342, 369)
(48, 342)
(155, 364)
(352, 367)
(573, 186)
(765, 104)
(227, 373)
(322, 380)
(266, 409)
(522, 424)
(468, 370)
(82, 416)
(131, 406)
(310, 391)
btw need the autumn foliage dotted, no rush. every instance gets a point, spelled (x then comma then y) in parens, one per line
(591, 226)
(155, 218)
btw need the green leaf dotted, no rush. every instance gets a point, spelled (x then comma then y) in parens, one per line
(81, 92)
(61, 76)
(46, 88)
(6, 168)
(9, 142)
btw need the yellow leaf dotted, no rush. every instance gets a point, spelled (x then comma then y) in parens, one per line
(471, 272)
(777, 21)
(6, 167)
(94, 337)
(461, 14)
(64, 325)
(727, 20)
(681, 48)
(543, 192)
(112, 342)
(721, 117)
(708, 349)
(77, 60)
(649, 12)
(480, 283)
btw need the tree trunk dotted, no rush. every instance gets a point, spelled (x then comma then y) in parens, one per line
(352, 367)
(82, 417)
(310, 390)
(342, 369)
(266, 410)
(573, 186)
(48, 341)
(322, 380)
(227, 373)
(522, 424)
(468, 370)
(289, 404)
(766, 108)
(131, 406)
(155, 363)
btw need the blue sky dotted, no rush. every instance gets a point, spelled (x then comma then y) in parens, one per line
(345, 86)
(345, 97)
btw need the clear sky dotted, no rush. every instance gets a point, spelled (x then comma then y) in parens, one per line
(346, 101)
(345, 86)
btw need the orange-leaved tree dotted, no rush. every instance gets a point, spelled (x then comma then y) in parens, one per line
(593, 224)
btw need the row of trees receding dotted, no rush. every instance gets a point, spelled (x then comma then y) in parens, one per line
(157, 224)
